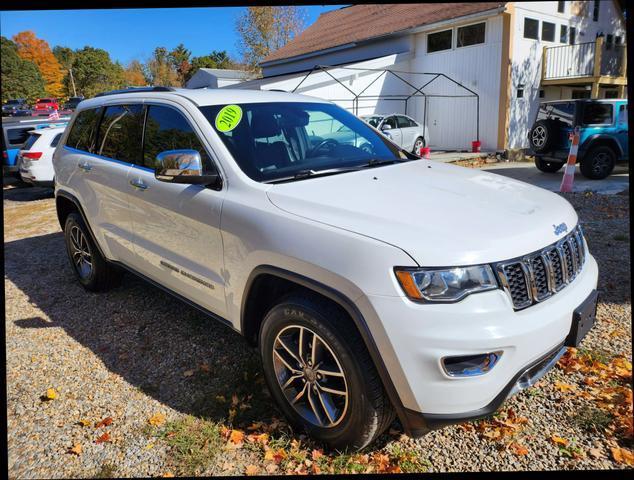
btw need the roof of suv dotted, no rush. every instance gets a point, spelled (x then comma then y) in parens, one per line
(203, 96)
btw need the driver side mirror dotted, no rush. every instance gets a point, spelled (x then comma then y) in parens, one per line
(183, 166)
(386, 126)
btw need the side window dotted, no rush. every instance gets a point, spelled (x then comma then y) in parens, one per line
(17, 136)
(168, 129)
(623, 115)
(531, 28)
(403, 122)
(82, 133)
(597, 113)
(56, 140)
(120, 133)
(391, 121)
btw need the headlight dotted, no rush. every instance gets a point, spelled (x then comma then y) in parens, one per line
(445, 284)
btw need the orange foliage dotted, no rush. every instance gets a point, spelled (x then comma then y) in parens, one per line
(38, 51)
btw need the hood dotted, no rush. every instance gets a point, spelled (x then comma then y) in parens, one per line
(440, 214)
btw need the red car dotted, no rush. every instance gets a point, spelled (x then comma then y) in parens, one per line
(45, 106)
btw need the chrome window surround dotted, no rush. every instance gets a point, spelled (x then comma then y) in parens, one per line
(568, 253)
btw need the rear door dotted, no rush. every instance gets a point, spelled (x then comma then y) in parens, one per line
(177, 226)
(100, 159)
(622, 128)
(409, 131)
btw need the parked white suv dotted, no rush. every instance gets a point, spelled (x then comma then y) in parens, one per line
(35, 159)
(374, 283)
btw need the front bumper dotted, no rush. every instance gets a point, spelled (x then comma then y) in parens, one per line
(420, 335)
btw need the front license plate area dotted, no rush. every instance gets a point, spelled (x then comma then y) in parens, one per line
(582, 320)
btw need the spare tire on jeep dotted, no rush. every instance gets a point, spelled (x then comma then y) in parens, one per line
(541, 135)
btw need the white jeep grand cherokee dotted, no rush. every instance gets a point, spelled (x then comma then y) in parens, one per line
(374, 283)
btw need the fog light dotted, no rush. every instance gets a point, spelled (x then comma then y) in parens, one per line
(470, 365)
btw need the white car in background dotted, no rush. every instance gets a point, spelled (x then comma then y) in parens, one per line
(35, 160)
(406, 132)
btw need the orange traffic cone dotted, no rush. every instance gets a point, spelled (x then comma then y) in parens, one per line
(569, 171)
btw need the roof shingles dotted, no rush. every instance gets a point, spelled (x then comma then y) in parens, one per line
(362, 22)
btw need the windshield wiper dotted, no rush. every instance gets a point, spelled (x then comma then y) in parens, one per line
(309, 173)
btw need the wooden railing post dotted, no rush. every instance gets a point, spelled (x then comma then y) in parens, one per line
(624, 62)
(598, 52)
(543, 63)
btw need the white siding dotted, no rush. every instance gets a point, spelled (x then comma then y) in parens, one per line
(452, 122)
(527, 53)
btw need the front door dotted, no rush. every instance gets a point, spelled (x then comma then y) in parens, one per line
(394, 132)
(177, 226)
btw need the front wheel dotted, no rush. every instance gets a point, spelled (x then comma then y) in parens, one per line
(548, 167)
(320, 373)
(418, 144)
(598, 163)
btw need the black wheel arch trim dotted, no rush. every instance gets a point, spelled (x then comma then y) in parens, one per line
(75, 200)
(356, 316)
(592, 140)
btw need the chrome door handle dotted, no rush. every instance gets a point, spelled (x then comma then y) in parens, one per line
(85, 166)
(138, 184)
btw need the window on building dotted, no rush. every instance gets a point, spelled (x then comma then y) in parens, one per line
(520, 93)
(541, 93)
(563, 34)
(120, 133)
(609, 41)
(595, 11)
(597, 113)
(531, 28)
(167, 129)
(576, 94)
(617, 40)
(439, 41)
(611, 94)
(470, 35)
(548, 32)
(561, 6)
(572, 37)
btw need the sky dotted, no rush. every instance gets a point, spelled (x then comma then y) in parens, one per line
(129, 34)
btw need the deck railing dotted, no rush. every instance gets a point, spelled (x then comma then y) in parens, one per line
(590, 59)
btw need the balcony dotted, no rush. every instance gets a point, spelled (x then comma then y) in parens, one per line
(585, 63)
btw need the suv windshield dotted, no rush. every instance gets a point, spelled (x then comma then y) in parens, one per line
(272, 141)
(564, 112)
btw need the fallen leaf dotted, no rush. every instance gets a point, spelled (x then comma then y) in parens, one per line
(168, 475)
(272, 468)
(84, 423)
(51, 394)
(269, 455)
(104, 423)
(317, 454)
(558, 440)
(76, 449)
(623, 455)
(595, 453)
(564, 387)
(103, 438)
(518, 449)
(236, 437)
(188, 373)
(234, 400)
(255, 426)
(157, 419)
(251, 470)
(204, 367)
(220, 399)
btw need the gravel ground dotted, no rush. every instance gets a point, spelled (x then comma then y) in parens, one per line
(135, 352)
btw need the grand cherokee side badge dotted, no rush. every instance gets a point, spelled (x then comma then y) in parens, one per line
(561, 228)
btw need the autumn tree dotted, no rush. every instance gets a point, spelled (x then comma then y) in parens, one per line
(160, 69)
(216, 59)
(20, 78)
(134, 74)
(38, 51)
(263, 30)
(180, 60)
(94, 72)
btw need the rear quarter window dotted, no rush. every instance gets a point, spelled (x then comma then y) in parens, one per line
(30, 141)
(56, 140)
(82, 132)
(597, 114)
(17, 136)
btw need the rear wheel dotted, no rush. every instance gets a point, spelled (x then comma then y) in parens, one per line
(549, 167)
(598, 163)
(91, 269)
(320, 373)
(418, 144)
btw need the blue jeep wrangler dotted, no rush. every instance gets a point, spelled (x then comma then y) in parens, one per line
(603, 135)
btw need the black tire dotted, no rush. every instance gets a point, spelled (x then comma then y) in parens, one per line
(101, 275)
(421, 141)
(541, 135)
(548, 167)
(368, 410)
(598, 162)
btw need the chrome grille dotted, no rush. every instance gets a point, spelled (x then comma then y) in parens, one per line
(537, 276)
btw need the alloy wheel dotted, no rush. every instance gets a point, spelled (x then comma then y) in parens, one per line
(80, 252)
(600, 163)
(310, 376)
(538, 136)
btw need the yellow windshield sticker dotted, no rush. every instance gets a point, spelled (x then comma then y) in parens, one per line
(228, 118)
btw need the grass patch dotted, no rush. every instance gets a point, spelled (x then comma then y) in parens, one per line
(196, 444)
(407, 459)
(592, 419)
(596, 355)
(107, 470)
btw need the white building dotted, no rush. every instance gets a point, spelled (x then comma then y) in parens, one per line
(495, 49)
(217, 78)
